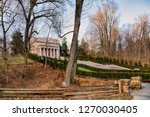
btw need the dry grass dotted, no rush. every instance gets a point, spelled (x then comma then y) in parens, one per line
(36, 77)
(39, 78)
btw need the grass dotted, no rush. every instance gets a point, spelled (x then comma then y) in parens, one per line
(13, 60)
(84, 69)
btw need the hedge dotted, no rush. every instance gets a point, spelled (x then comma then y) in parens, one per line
(53, 62)
(124, 63)
(61, 64)
(114, 75)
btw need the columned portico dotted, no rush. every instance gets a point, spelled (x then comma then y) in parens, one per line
(39, 47)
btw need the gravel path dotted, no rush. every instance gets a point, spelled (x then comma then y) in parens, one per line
(101, 66)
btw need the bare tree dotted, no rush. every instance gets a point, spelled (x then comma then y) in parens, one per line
(33, 10)
(105, 26)
(8, 14)
(137, 40)
(142, 31)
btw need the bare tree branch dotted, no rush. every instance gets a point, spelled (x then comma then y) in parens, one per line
(65, 34)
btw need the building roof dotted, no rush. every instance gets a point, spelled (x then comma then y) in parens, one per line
(44, 40)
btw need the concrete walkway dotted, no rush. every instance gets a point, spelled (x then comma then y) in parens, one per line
(143, 94)
(102, 66)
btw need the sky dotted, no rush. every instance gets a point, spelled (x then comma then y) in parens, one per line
(128, 10)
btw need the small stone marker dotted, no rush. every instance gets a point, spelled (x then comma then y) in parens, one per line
(136, 82)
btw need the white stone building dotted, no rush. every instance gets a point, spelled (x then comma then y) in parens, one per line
(38, 46)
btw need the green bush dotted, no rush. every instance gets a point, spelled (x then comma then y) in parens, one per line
(61, 64)
(114, 75)
(53, 62)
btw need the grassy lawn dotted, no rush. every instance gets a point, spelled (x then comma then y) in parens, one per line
(84, 69)
(13, 61)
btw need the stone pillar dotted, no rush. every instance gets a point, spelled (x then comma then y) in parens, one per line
(124, 85)
(50, 52)
(53, 53)
(58, 52)
(136, 82)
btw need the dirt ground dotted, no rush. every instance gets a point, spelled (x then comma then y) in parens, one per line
(36, 77)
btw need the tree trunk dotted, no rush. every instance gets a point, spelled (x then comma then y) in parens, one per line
(46, 57)
(25, 54)
(71, 67)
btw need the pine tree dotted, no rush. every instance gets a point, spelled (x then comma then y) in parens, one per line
(83, 48)
(64, 47)
(17, 42)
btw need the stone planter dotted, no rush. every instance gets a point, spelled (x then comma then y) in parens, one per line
(136, 82)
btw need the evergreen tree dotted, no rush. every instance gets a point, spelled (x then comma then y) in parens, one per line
(83, 48)
(17, 42)
(64, 48)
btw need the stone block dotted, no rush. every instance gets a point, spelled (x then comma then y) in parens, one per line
(124, 85)
(136, 82)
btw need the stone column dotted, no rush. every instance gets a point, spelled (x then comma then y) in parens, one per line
(55, 53)
(58, 53)
(50, 52)
(136, 82)
(124, 85)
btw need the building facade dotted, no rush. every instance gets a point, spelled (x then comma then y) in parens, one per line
(44, 47)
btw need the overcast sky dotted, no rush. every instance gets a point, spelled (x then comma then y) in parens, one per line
(129, 10)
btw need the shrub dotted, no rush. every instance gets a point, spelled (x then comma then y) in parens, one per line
(53, 62)
(114, 75)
